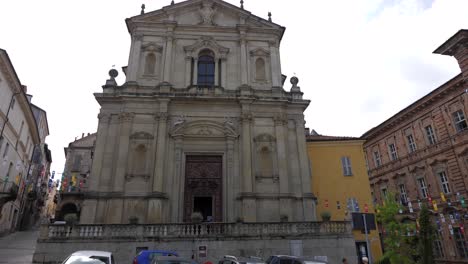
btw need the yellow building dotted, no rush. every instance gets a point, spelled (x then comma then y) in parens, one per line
(341, 184)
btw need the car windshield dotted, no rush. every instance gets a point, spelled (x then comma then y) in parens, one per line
(83, 260)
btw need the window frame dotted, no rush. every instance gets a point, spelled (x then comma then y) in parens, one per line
(411, 143)
(392, 151)
(403, 193)
(459, 121)
(444, 182)
(430, 134)
(377, 159)
(207, 59)
(422, 186)
(346, 166)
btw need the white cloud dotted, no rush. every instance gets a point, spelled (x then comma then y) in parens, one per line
(358, 61)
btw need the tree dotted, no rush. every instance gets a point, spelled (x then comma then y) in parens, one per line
(426, 237)
(398, 236)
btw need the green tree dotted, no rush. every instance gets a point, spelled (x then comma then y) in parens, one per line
(426, 237)
(398, 238)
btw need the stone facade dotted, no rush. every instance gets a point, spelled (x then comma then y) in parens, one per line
(203, 83)
(421, 154)
(75, 177)
(18, 137)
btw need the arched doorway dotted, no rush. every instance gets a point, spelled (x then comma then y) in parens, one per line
(69, 208)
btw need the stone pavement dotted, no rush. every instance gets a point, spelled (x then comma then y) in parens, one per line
(18, 247)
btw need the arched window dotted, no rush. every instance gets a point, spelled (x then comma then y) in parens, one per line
(206, 68)
(150, 63)
(260, 69)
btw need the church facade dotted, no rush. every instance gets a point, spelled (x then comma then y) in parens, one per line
(202, 124)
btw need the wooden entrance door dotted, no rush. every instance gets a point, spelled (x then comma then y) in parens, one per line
(203, 184)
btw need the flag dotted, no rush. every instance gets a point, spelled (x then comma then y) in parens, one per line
(442, 197)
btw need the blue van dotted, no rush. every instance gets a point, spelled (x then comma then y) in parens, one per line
(146, 256)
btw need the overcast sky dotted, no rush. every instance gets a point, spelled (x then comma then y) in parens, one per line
(359, 62)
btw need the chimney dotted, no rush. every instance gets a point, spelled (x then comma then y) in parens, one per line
(88, 134)
(25, 88)
(82, 135)
(457, 46)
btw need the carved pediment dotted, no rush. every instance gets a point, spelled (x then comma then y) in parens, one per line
(203, 129)
(209, 13)
(151, 47)
(141, 135)
(260, 52)
(416, 168)
(206, 43)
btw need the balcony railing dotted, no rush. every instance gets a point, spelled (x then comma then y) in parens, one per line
(191, 230)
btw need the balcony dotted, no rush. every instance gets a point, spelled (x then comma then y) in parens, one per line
(8, 192)
(191, 231)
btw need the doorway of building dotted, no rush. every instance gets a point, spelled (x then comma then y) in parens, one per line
(203, 187)
(361, 248)
(204, 205)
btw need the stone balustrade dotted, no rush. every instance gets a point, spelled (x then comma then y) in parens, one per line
(192, 230)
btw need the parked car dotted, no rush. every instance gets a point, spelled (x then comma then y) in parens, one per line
(90, 256)
(146, 256)
(241, 260)
(171, 260)
(284, 259)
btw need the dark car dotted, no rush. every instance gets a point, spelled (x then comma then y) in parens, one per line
(284, 259)
(146, 256)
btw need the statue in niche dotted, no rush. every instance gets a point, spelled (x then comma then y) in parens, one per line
(207, 13)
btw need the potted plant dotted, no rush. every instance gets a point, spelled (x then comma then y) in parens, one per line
(70, 219)
(196, 217)
(326, 216)
(133, 220)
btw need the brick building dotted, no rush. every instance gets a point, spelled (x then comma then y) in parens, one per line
(421, 153)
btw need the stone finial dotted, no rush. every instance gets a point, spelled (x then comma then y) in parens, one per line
(142, 9)
(172, 2)
(294, 81)
(269, 16)
(242, 4)
(111, 81)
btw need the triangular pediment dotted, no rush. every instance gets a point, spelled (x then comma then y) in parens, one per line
(214, 13)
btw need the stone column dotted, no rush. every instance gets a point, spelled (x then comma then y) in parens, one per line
(195, 71)
(122, 158)
(188, 70)
(280, 123)
(216, 73)
(275, 70)
(223, 72)
(243, 65)
(134, 60)
(177, 180)
(168, 59)
(308, 206)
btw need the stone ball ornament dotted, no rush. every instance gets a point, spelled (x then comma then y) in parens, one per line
(294, 81)
(113, 73)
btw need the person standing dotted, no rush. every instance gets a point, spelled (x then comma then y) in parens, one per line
(365, 260)
(344, 260)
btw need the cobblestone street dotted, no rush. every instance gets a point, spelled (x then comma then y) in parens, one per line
(18, 247)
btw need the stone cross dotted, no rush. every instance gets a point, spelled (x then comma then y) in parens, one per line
(142, 9)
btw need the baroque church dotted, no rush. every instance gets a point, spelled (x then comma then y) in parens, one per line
(203, 123)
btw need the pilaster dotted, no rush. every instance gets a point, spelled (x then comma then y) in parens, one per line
(243, 59)
(176, 202)
(134, 60)
(101, 137)
(161, 147)
(168, 57)
(123, 144)
(275, 66)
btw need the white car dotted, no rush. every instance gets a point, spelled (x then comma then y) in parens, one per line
(90, 257)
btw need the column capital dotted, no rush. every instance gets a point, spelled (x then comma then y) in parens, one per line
(246, 117)
(161, 116)
(103, 117)
(280, 119)
(126, 117)
(137, 37)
